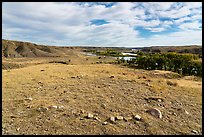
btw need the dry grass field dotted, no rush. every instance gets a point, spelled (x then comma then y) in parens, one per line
(40, 97)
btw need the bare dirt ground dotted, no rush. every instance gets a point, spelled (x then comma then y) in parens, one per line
(32, 91)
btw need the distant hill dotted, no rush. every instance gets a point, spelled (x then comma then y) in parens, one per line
(15, 49)
(194, 49)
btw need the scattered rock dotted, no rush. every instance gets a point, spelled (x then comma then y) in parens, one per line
(112, 119)
(155, 112)
(174, 114)
(127, 118)
(12, 116)
(96, 118)
(61, 107)
(29, 99)
(42, 70)
(81, 118)
(54, 107)
(186, 112)
(148, 84)
(103, 105)
(112, 76)
(159, 100)
(28, 106)
(112, 96)
(119, 118)
(105, 123)
(42, 109)
(194, 131)
(73, 77)
(18, 129)
(39, 87)
(137, 117)
(89, 116)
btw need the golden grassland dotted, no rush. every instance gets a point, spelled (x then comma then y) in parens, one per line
(82, 86)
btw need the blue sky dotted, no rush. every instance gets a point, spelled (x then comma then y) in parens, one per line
(109, 24)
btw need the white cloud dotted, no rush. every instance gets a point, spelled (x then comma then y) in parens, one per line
(156, 29)
(70, 22)
(192, 5)
(189, 37)
(191, 25)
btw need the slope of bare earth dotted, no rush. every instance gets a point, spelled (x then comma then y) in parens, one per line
(31, 92)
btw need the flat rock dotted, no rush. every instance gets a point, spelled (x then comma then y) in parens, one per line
(29, 99)
(89, 116)
(137, 117)
(105, 123)
(112, 76)
(119, 118)
(155, 112)
(12, 116)
(42, 109)
(127, 118)
(103, 105)
(61, 107)
(112, 119)
(194, 131)
(96, 118)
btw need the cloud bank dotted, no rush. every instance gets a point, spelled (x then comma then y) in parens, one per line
(121, 24)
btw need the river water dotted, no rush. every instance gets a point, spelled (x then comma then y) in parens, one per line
(125, 58)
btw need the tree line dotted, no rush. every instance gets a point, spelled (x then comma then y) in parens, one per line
(184, 64)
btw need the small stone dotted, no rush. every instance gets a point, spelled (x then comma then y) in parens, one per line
(119, 117)
(148, 84)
(112, 119)
(155, 112)
(54, 107)
(90, 115)
(103, 105)
(174, 114)
(42, 109)
(61, 107)
(30, 99)
(186, 112)
(112, 96)
(137, 117)
(81, 118)
(127, 118)
(112, 76)
(18, 129)
(96, 118)
(105, 123)
(159, 100)
(194, 131)
(12, 116)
